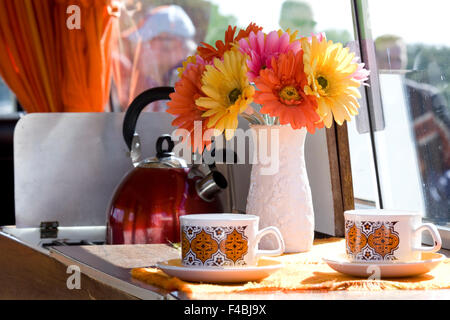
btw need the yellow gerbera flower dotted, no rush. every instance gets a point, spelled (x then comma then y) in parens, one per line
(292, 34)
(190, 59)
(228, 92)
(329, 68)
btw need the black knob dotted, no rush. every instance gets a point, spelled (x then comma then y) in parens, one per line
(160, 151)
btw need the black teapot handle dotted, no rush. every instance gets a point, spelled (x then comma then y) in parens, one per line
(136, 107)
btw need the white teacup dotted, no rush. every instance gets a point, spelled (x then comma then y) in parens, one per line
(224, 240)
(380, 236)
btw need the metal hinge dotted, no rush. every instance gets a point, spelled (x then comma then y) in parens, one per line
(49, 229)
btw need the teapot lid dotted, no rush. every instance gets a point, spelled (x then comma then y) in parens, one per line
(164, 158)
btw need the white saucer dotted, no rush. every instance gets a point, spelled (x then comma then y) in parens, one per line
(264, 269)
(341, 264)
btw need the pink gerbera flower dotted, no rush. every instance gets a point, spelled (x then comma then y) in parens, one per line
(320, 36)
(261, 48)
(360, 74)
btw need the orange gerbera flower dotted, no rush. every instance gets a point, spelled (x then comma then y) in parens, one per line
(189, 115)
(280, 92)
(208, 52)
(252, 27)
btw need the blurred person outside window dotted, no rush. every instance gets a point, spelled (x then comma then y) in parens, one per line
(151, 52)
(430, 115)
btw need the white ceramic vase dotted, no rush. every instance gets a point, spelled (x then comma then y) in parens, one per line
(281, 196)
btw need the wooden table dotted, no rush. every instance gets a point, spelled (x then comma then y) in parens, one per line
(28, 274)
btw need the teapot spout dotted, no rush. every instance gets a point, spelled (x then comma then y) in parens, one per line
(210, 185)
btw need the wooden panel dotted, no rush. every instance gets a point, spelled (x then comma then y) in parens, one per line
(28, 274)
(341, 174)
(345, 167)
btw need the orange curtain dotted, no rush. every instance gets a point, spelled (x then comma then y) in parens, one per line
(50, 67)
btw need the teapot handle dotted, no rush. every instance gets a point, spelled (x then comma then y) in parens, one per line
(138, 104)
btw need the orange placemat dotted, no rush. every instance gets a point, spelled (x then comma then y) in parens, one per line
(303, 271)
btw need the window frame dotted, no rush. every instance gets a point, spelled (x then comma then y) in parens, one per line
(373, 101)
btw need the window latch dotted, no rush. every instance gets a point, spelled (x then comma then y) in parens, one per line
(49, 229)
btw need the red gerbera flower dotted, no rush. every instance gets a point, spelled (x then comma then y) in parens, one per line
(280, 92)
(189, 115)
(208, 52)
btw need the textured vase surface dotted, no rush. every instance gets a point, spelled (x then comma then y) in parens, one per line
(282, 198)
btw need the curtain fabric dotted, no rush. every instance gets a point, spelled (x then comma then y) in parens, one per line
(50, 67)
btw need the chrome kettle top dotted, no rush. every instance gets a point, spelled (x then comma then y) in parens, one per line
(164, 158)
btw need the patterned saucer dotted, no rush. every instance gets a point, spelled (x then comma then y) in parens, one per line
(264, 269)
(370, 270)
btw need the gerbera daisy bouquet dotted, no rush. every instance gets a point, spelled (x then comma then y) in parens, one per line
(275, 78)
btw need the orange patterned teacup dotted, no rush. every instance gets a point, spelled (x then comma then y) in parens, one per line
(380, 236)
(224, 240)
